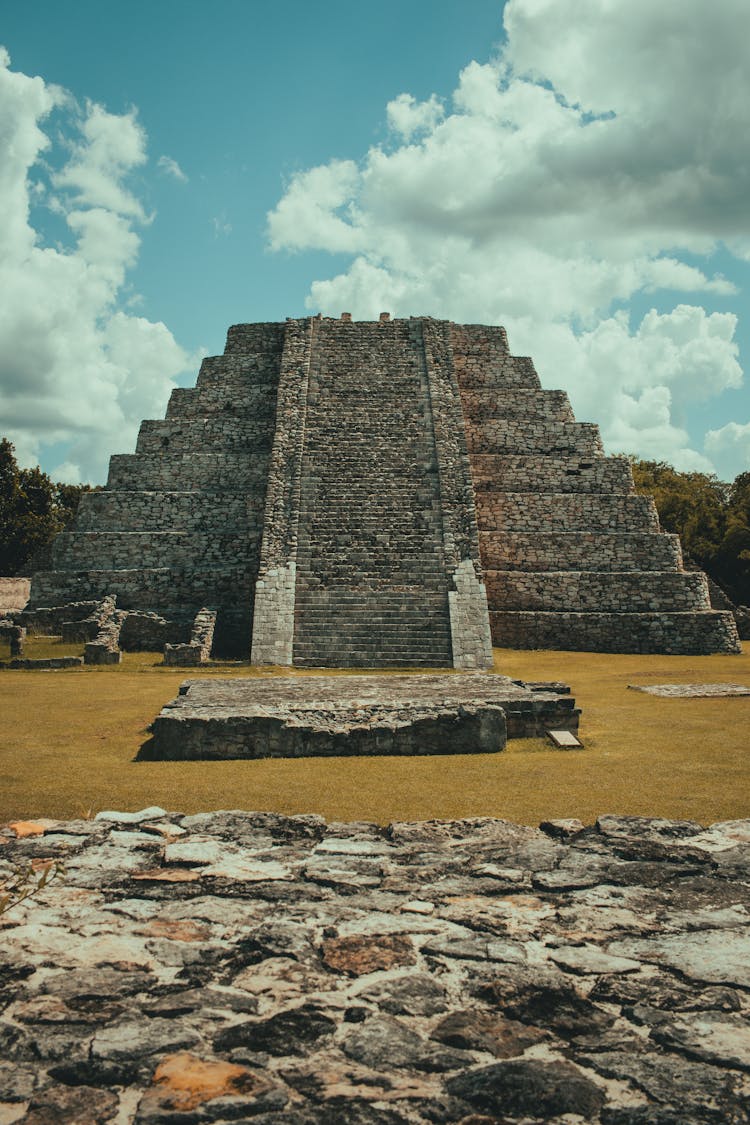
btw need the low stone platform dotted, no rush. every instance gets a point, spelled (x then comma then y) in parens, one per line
(53, 663)
(239, 966)
(304, 716)
(692, 691)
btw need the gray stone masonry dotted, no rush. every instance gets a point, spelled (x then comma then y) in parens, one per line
(321, 716)
(379, 494)
(105, 647)
(251, 967)
(87, 628)
(15, 635)
(198, 648)
(48, 620)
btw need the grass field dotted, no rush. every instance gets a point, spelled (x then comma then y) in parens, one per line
(68, 741)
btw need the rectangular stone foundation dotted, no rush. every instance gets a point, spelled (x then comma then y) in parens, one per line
(328, 716)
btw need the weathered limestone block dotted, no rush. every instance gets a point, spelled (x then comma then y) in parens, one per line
(332, 716)
(53, 662)
(47, 620)
(14, 594)
(742, 617)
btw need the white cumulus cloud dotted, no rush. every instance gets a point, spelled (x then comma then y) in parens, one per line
(594, 159)
(77, 372)
(407, 116)
(170, 167)
(729, 446)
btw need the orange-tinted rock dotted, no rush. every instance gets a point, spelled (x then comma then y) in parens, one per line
(24, 828)
(362, 953)
(184, 1081)
(167, 875)
(183, 930)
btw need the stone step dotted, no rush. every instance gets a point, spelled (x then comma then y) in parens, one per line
(234, 364)
(391, 619)
(578, 550)
(183, 435)
(545, 472)
(510, 512)
(262, 338)
(543, 438)
(123, 550)
(183, 510)
(706, 632)
(597, 591)
(477, 372)
(224, 399)
(553, 406)
(353, 659)
(202, 469)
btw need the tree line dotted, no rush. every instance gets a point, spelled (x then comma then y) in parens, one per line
(33, 510)
(711, 517)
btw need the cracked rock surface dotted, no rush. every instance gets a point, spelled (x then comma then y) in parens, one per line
(238, 966)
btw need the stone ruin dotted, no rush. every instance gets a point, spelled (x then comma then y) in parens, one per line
(381, 494)
(324, 716)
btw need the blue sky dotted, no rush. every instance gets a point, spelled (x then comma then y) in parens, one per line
(574, 169)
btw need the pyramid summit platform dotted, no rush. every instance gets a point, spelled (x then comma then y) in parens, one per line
(392, 493)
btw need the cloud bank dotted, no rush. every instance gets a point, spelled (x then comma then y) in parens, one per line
(77, 370)
(596, 159)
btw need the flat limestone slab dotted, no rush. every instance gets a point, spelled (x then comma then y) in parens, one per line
(692, 691)
(301, 716)
(564, 740)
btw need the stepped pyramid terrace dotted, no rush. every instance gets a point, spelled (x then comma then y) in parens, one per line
(391, 493)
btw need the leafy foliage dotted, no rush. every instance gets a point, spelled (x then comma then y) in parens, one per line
(33, 510)
(711, 517)
(29, 880)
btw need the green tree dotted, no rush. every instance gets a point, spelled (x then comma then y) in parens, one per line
(733, 559)
(33, 510)
(711, 517)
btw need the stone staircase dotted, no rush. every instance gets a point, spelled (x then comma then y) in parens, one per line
(371, 586)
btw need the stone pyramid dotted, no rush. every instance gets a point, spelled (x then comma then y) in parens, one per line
(398, 492)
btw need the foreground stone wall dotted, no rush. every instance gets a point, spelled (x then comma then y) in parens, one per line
(247, 966)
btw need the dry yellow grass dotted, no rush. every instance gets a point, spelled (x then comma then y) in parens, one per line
(68, 741)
